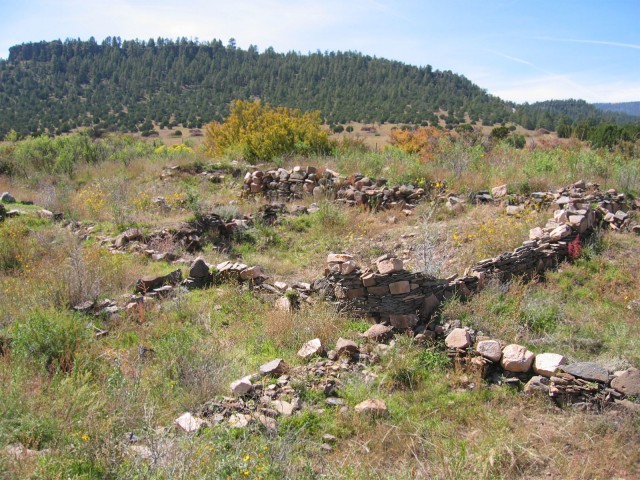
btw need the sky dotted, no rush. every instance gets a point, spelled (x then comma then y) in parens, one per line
(519, 50)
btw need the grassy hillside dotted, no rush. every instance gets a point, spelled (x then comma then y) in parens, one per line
(96, 396)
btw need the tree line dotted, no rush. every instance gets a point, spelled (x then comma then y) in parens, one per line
(132, 85)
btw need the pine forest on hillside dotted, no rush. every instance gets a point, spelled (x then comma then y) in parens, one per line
(130, 85)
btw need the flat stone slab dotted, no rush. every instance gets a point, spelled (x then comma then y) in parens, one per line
(312, 347)
(189, 423)
(372, 407)
(274, 367)
(546, 364)
(588, 371)
(378, 332)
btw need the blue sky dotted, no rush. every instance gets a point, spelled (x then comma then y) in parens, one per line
(519, 50)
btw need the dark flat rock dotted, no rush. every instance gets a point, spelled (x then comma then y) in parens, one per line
(588, 371)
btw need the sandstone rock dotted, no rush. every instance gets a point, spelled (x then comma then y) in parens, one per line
(560, 232)
(398, 288)
(283, 304)
(274, 367)
(499, 191)
(282, 407)
(346, 346)
(239, 420)
(587, 371)
(628, 382)
(378, 332)
(242, 386)
(537, 384)
(390, 265)
(380, 291)
(372, 408)
(536, 233)
(189, 423)
(516, 358)
(403, 322)
(547, 363)
(355, 293)
(347, 267)
(368, 280)
(514, 209)
(251, 273)
(490, 349)
(338, 257)
(312, 347)
(429, 305)
(560, 216)
(458, 338)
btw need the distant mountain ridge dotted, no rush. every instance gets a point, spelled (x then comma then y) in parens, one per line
(630, 108)
(129, 85)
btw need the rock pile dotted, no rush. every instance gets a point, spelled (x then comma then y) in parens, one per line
(286, 185)
(274, 391)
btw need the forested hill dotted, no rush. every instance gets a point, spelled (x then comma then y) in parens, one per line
(126, 85)
(122, 84)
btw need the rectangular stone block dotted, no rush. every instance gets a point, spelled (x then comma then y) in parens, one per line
(355, 293)
(379, 291)
(400, 287)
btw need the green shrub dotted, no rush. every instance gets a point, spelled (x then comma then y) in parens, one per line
(50, 338)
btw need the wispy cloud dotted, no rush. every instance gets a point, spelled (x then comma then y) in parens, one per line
(592, 42)
(514, 59)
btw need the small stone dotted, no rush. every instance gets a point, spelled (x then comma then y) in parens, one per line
(587, 371)
(499, 191)
(372, 407)
(368, 280)
(458, 338)
(560, 232)
(238, 420)
(327, 437)
(312, 347)
(241, 386)
(537, 384)
(514, 209)
(326, 447)
(378, 332)
(404, 322)
(516, 358)
(189, 423)
(628, 382)
(547, 363)
(346, 346)
(268, 422)
(251, 273)
(338, 257)
(536, 233)
(347, 267)
(398, 288)
(390, 265)
(283, 304)
(490, 349)
(334, 401)
(6, 197)
(282, 407)
(274, 367)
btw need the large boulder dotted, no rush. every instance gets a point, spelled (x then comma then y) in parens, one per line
(628, 382)
(546, 364)
(490, 349)
(516, 358)
(458, 338)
